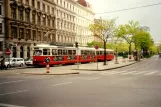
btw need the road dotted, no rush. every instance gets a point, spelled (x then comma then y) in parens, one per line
(137, 85)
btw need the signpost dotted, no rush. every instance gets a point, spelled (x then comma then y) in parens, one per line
(47, 60)
(96, 47)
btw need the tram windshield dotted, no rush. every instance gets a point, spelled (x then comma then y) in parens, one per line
(37, 52)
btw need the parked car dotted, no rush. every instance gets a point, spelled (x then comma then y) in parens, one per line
(14, 62)
(28, 62)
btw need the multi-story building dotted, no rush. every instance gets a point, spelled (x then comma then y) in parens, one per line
(2, 37)
(30, 22)
(84, 17)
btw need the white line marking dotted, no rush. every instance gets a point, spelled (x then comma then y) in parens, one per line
(13, 92)
(150, 73)
(9, 105)
(94, 78)
(11, 82)
(62, 84)
(139, 72)
(126, 73)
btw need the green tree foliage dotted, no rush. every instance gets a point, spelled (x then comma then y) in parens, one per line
(127, 32)
(143, 40)
(94, 43)
(103, 29)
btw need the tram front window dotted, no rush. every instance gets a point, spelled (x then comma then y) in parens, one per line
(37, 52)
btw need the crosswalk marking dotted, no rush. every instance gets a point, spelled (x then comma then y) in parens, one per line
(150, 73)
(125, 72)
(140, 72)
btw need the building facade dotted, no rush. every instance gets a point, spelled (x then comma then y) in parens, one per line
(84, 17)
(2, 37)
(31, 22)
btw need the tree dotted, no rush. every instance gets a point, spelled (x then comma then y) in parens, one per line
(103, 29)
(142, 40)
(127, 32)
(94, 43)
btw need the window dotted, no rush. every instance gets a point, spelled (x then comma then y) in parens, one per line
(49, 22)
(44, 21)
(0, 10)
(54, 52)
(33, 3)
(38, 20)
(1, 28)
(48, 9)
(20, 14)
(14, 32)
(28, 34)
(52, 10)
(53, 23)
(38, 5)
(27, 16)
(21, 33)
(33, 18)
(39, 35)
(43, 7)
(64, 52)
(1, 46)
(46, 51)
(13, 13)
(34, 34)
(59, 52)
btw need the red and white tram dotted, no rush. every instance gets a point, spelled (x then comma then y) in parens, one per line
(68, 55)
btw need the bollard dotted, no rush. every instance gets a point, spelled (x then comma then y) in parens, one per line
(47, 68)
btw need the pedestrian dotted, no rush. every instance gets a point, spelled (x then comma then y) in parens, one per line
(2, 63)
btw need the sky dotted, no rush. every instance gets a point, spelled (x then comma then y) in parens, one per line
(147, 16)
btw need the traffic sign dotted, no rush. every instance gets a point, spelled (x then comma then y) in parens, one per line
(7, 52)
(47, 59)
(96, 47)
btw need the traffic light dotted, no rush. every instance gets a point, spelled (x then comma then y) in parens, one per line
(76, 44)
(5, 45)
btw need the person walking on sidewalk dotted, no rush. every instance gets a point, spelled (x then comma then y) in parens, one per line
(2, 63)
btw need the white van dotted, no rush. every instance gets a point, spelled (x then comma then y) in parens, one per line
(13, 62)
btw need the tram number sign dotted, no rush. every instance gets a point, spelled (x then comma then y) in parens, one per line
(96, 47)
(47, 59)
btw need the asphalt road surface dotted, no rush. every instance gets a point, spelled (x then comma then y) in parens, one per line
(137, 85)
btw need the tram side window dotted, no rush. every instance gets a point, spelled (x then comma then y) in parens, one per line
(37, 52)
(59, 51)
(101, 52)
(74, 52)
(97, 52)
(64, 52)
(69, 52)
(54, 52)
(46, 51)
(82, 52)
(93, 52)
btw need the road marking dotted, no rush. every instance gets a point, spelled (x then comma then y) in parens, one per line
(94, 78)
(9, 105)
(13, 92)
(62, 84)
(11, 82)
(139, 72)
(150, 73)
(126, 73)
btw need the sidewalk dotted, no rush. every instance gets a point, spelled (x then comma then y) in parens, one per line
(70, 69)
(109, 65)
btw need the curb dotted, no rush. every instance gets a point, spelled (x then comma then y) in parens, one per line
(50, 73)
(106, 68)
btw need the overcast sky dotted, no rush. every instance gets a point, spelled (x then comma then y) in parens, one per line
(147, 16)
